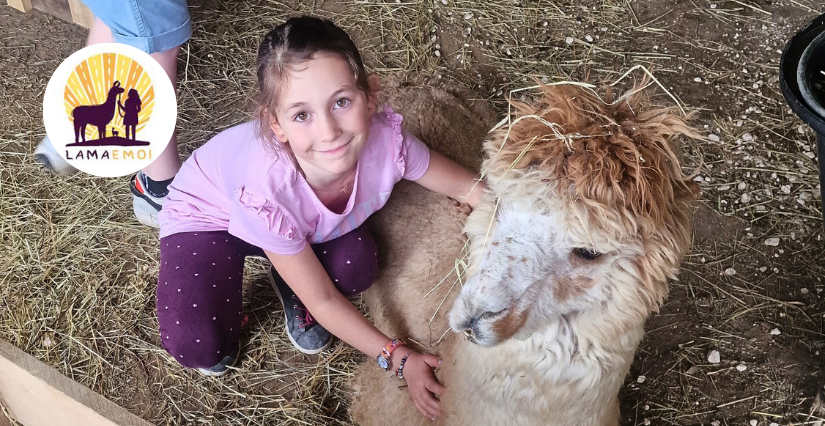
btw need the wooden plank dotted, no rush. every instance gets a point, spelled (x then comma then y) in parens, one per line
(81, 15)
(58, 8)
(21, 5)
(38, 395)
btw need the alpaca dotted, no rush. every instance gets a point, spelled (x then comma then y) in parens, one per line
(586, 218)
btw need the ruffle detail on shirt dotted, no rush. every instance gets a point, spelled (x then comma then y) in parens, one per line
(173, 212)
(395, 121)
(275, 219)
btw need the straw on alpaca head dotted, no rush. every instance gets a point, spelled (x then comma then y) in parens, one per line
(552, 331)
(587, 209)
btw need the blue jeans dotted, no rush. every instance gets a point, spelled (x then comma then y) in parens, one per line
(149, 25)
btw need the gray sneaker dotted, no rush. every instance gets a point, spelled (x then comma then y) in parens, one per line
(51, 160)
(222, 367)
(305, 334)
(145, 204)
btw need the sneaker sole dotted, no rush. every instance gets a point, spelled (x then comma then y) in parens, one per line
(145, 212)
(47, 156)
(286, 321)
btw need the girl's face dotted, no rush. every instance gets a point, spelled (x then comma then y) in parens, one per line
(323, 117)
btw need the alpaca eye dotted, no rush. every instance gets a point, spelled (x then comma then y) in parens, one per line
(586, 253)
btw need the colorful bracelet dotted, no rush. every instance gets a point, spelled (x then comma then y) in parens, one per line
(400, 371)
(383, 358)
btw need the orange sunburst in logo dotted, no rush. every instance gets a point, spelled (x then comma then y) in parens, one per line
(92, 81)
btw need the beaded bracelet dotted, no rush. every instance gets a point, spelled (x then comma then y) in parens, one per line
(383, 358)
(400, 371)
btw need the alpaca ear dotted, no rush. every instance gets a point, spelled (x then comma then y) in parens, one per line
(686, 191)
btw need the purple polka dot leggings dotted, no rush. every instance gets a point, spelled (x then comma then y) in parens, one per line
(200, 287)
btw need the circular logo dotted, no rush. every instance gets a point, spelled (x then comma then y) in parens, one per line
(109, 109)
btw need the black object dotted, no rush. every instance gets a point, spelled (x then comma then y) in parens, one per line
(803, 84)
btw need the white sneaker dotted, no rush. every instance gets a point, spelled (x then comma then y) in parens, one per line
(145, 204)
(51, 159)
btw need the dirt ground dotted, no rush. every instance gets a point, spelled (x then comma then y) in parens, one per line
(751, 289)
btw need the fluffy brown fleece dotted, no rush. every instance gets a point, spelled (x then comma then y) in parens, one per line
(619, 163)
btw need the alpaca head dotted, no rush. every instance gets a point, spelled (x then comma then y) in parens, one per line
(587, 213)
(115, 90)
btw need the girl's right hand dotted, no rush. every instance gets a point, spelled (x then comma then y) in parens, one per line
(423, 386)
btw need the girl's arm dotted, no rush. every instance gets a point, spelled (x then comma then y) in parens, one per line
(309, 280)
(448, 178)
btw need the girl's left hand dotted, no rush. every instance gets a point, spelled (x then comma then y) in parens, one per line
(423, 386)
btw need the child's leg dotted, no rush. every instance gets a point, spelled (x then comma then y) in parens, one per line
(167, 164)
(159, 28)
(199, 296)
(350, 260)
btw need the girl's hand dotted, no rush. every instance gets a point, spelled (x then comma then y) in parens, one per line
(423, 386)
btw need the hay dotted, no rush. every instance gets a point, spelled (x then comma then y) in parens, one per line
(77, 272)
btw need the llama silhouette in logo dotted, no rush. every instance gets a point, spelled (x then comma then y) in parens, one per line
(96, 115)
(101, 115)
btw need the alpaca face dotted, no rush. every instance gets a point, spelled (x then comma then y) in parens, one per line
(534, 267)
(586, 211)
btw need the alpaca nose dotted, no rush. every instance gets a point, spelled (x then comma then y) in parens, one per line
(469, 328)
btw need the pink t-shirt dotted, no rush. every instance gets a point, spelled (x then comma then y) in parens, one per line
(235, 182)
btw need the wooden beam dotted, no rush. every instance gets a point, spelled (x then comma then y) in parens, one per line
(58, 8)
(81, 15)
(38, 395)
(68, 10)
(21, 5)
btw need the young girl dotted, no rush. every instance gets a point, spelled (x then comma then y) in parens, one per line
(295, 185)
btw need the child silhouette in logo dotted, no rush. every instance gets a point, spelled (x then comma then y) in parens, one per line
(129, 112)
